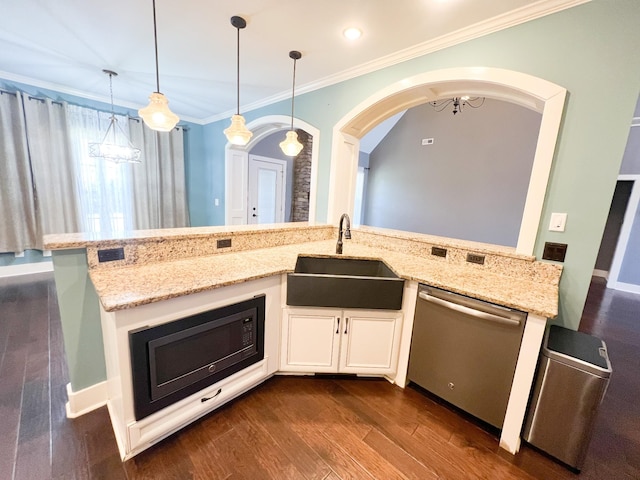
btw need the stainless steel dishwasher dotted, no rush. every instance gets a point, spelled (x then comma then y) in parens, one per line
(465, 351)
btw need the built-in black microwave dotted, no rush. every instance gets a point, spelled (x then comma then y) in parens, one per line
(171, 361)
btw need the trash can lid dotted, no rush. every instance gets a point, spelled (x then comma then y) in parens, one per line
(577, 349)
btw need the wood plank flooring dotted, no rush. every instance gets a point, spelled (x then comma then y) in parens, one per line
(324, 428)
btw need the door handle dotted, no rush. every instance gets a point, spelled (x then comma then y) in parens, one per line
(468, 310)
(338, 326)
(346, 325)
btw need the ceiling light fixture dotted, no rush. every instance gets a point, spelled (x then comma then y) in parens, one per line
(238, 133)
(458, 103)
(352, 33)
(109, 148)
(157, 115)
(290, 145)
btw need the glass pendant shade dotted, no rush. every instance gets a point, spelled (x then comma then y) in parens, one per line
(290, 145)
(157, 115)
(238, 133)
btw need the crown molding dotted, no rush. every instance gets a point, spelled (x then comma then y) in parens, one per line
(519, 16)
(56, 87)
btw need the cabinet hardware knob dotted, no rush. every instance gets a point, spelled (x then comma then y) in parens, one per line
(338, 326)
(346, 325)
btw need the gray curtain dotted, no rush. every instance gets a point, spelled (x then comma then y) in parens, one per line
(158, 184)
(18, 230)
(54, 172)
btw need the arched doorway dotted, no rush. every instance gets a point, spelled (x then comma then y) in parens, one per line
(237, 161)
(531, 92)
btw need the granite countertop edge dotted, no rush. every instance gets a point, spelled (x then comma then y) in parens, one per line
(132, 286)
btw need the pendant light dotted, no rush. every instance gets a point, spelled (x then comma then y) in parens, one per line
(238, 133)
(157, 115)
(110, 149)
(290, 145)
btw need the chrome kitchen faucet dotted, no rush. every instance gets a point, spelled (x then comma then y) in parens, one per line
(347, 232)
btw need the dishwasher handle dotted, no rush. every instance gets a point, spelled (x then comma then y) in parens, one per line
(469, 311)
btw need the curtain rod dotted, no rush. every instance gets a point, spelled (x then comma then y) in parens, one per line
(57, 102)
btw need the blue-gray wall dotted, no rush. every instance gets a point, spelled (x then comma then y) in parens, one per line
(471, 183)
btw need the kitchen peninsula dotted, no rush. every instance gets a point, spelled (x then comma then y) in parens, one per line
(155, 276)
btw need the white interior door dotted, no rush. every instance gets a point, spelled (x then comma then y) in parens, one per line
(266, 190)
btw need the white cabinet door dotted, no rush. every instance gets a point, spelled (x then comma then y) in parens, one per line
(310, 340)
(370, 342)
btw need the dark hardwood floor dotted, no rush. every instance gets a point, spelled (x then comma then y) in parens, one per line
(293, 427)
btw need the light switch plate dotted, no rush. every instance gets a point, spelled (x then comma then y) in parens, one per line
(558, 222)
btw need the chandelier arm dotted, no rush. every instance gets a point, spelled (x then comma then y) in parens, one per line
(468, 102)
(440, 105)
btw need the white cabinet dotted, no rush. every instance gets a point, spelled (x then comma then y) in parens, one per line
(327, 340)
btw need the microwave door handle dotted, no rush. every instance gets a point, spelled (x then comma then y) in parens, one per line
(468, 310)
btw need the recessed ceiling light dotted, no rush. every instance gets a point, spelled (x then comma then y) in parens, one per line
(352, 33)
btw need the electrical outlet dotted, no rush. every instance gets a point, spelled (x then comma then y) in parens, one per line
(555, 252)
(439, 252)
(427, 141)
(475, 258)
(110, 254)
(224, 243)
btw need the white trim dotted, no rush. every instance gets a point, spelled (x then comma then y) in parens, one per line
(522, 382)
(625, 234)
(519, 16)
(86, 400)
(516, 87)
(26, 269)
(626, 287)
(264, 126)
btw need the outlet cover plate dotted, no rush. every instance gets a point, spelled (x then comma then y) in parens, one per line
(555, 252)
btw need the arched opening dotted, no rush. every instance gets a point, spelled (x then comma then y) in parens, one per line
(530, 92)
(237, 166)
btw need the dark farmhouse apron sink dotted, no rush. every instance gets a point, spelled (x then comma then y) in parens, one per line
(344, 283)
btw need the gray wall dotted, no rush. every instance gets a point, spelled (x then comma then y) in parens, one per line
(270, 147)
(470, 184)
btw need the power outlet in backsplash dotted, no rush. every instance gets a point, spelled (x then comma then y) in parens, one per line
(475, 258)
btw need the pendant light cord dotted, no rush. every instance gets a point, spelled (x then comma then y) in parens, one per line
(155, 41)
(238, 71)
(293, 90)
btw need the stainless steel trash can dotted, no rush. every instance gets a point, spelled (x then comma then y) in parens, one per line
(572, 378)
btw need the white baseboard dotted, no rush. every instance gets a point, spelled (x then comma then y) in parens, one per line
(601, 273)
(86, 400)
(26, 269)
(624, 287)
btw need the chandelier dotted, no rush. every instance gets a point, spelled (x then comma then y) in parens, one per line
(112, 147)
(458, 103)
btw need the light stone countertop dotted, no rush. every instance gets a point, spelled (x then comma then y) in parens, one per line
(131, 286)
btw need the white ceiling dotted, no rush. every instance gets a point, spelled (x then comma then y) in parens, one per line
(64, 45)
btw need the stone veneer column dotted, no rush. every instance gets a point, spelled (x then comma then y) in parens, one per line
(302, 179)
